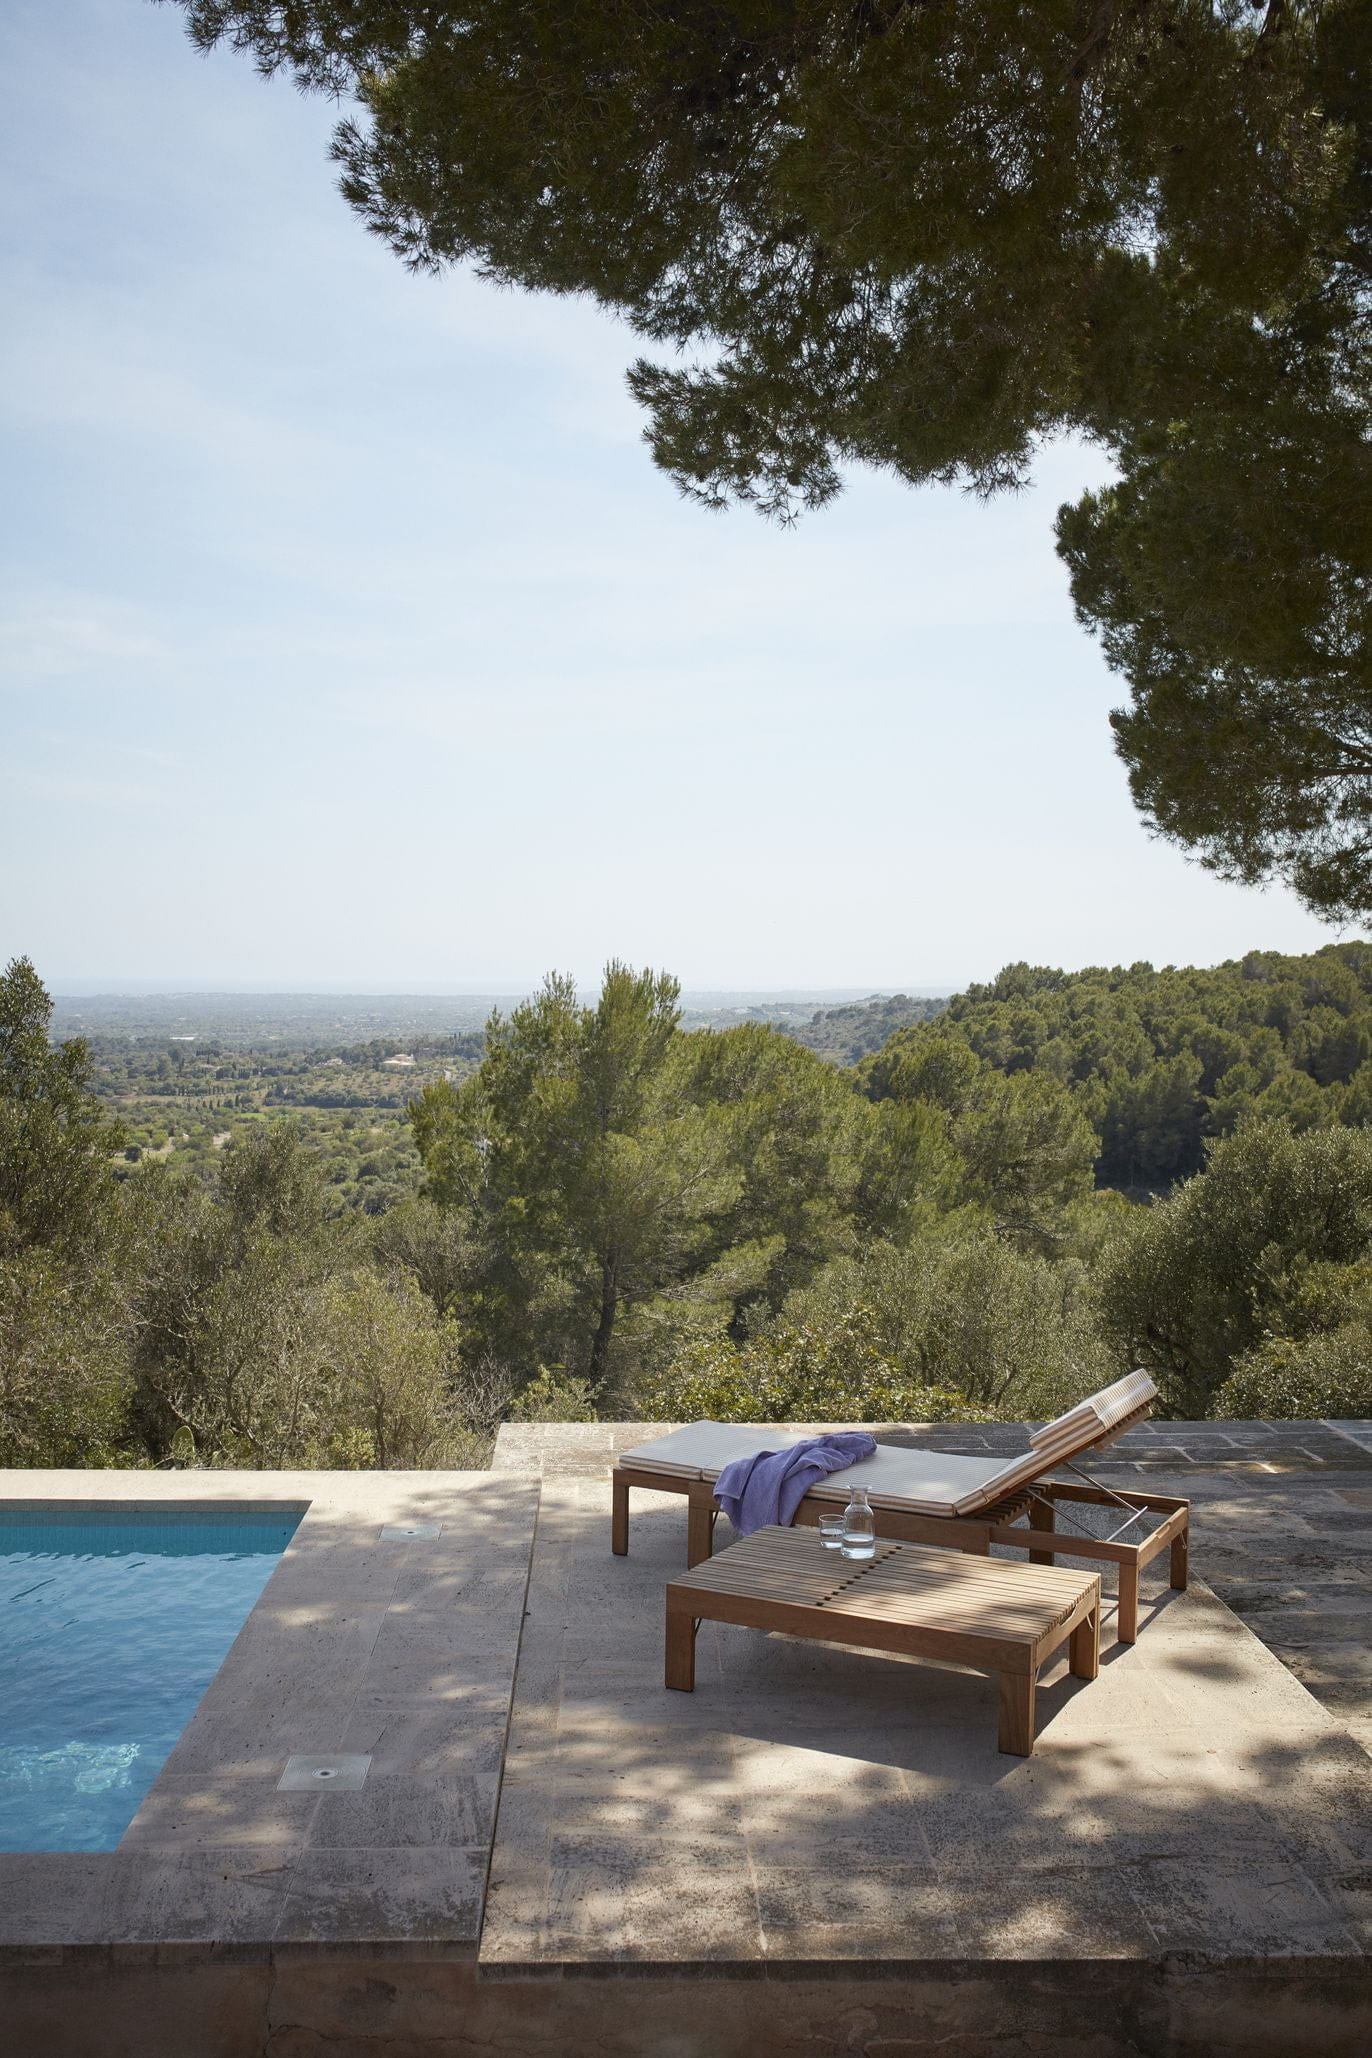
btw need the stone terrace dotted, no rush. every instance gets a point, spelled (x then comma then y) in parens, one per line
(818, 1854)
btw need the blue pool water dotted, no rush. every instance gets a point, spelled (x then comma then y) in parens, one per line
(112, 1625)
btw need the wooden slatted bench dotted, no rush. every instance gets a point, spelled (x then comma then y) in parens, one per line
(986, 1613)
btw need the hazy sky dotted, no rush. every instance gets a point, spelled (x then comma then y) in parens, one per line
(350, 636)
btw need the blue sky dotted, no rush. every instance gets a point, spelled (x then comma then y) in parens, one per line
(349, 635)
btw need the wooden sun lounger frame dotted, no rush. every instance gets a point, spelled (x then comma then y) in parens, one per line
(1001, 1523)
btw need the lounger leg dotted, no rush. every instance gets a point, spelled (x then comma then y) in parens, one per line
(1180, 1555)
(619, 1516)
(1083, 1650)
(681, 1650)
(1127, 1617)
(1042, 1515)
(700, 1530)
(1017, 1695)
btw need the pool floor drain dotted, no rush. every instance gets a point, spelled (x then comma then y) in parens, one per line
(344, 1771)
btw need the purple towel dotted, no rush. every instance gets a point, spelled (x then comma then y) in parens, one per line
(770, 1486)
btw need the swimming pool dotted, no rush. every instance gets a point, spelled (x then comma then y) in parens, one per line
(112, 1624)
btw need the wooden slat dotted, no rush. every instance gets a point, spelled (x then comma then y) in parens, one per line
(985, 1584)
(992, 1598)
(928, 1607)
(971, 1620)
(986, 1573)
(978, 1604)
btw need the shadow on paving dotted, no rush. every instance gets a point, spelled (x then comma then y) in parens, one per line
(814, 1803)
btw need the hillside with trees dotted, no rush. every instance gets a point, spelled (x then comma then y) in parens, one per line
(848, 1033)
(1161, 1063)
(622, 1216)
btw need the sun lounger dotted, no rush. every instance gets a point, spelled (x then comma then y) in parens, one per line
(935, 1497)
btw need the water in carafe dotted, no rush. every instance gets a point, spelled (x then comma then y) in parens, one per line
(859, 1526)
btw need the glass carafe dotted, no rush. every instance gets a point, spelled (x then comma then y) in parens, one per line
(859, 1526)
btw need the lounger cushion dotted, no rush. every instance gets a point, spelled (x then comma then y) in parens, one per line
(1083, 1425)
(701, 1450)
(925, 1482)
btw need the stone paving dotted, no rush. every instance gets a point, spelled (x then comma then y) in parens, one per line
(810, 1803)
(818, 1854)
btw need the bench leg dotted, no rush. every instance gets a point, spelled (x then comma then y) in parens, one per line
(1018, 1691)
(1180, 1554)
(700, 1531)
(1083, 1650)
(1042, 1515)
(619, 1517)
(1127, 1616)
(681, 1650)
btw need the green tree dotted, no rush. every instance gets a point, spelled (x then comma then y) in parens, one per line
(577, 1152)
(793, 1132)
(924, 238)
(1321, 1377)
(1023, 1150)
(56, 1137)
(830, 1372)
(64, 1369)
(956, 1307)
(438, 1246)
(1321, 1366)
(1200, 1278)
(1227, 577)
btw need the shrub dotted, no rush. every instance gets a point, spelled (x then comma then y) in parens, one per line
(64, 1374)
(1202, 1277)
(796, 1374)
(1011, 1333)
(1313, 1378)
(554, 1396)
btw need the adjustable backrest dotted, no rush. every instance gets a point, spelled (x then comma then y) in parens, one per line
(1094, 1421)
(1086, 1427)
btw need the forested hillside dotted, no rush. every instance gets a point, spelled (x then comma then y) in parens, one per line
(623, 1216)
(848, 1033)
(1161, 1062)
(188, 1099)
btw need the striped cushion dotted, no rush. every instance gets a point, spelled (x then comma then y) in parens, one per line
(1083, 1424)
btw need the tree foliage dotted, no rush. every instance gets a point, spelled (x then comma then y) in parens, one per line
(835, 1372)
(956, 1309)
(584, 1165)
(1158, 1062)
(625, 1217)
(1206, 1275)
(926, 237)
(56, 1137)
